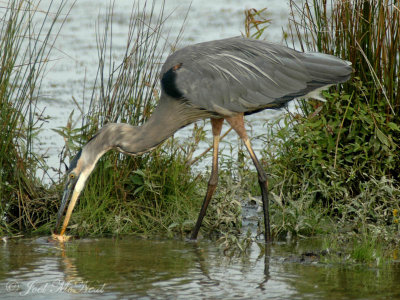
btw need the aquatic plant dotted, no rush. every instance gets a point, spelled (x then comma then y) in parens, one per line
(340, 159)
(27, 36)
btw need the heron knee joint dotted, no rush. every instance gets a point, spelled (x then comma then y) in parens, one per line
(213, 181)
(262, 179)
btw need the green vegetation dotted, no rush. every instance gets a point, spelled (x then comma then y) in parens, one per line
(154, 193)
(25, 45)
(334, 167)
(149, 194)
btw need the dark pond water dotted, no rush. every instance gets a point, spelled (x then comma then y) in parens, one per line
(127, 268)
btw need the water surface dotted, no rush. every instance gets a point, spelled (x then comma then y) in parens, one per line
(129, 267)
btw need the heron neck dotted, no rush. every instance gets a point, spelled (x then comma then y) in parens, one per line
(169, 116)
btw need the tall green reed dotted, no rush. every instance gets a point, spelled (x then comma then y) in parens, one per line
(363, 32)
(27, 36)
(331, 154)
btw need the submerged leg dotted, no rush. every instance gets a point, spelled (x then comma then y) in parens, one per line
(212, 183)
(237, 124)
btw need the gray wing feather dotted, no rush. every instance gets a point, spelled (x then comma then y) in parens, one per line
(241, 75)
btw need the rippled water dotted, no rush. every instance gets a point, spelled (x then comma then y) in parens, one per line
(129, 268)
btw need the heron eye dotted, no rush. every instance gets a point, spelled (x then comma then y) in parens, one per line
(72, 176)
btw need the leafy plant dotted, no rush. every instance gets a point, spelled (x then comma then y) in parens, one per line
(341, 158)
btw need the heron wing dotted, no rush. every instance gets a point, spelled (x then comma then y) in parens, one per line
(243, 75)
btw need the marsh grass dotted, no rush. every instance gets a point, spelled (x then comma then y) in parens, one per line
(27, 36)
(151, 194)
(352, 250)
(335, 166)
(363, 32)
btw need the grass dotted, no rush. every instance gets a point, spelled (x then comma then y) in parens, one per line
(25, 47)
(352, 250)
(364, 32)
(150, 194)
(148, 201)
(335, 167)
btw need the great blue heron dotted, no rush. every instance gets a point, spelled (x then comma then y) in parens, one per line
(222, 79)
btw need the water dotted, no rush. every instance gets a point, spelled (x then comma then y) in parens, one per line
(127, 268)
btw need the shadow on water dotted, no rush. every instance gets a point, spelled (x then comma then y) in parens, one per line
(129, 267)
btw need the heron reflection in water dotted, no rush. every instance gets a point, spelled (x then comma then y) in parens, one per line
(221, 80)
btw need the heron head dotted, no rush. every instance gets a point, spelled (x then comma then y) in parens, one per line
(84, 162)
(77, 173)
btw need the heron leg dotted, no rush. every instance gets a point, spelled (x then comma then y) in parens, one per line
(212, 183)
(237, 123)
